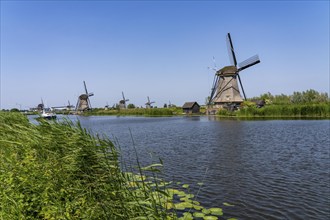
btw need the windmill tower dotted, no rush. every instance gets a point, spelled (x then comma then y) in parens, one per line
(148, 104)
(225, 90)
(41, 106)
(122, 103)
(83, 102)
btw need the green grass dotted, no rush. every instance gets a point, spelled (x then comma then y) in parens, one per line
(280, 111)
(137, 112)
(60, 171)
(292, 110)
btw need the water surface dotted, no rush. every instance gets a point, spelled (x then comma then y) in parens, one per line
(269, 169)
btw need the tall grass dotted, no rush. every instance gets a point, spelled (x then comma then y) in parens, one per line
(60, 171)
(290, 110)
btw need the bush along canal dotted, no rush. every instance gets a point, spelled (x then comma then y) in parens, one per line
(58, 170)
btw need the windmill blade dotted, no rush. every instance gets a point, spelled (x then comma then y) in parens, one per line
(89, 106)
(248, 62)
(215, 65)
(122, 93)
(215, 85)
(240, 82)
(77, 105)
(148, 99)
(231, 51)
(86, 92)
(213, 88)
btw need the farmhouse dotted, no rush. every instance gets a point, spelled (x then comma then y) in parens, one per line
(190, 107)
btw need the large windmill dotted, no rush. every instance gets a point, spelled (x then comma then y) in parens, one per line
(225, 90)
(148, 104)
(83, 102)
(122, 103)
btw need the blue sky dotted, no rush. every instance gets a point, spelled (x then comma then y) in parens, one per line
(157, 49)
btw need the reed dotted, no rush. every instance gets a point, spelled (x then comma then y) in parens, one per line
(60, 171)
(289, 110)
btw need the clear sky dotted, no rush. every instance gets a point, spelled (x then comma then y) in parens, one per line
(157, 49)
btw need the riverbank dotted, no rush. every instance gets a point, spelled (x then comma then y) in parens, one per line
(136, 111)
(274, 111)
(282, 111)
(59, 171)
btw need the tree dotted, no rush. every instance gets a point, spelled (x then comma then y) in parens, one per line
(130, 106)
(14, 110)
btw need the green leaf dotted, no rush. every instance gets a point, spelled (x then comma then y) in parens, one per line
(216, 211)
(209, 217)
(188, 216)
(183, 205)
(198, 215)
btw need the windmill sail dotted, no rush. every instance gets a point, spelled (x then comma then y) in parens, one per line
(231, 52)
(248, 62)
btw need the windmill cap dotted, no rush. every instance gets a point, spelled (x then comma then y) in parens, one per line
(83, 96)
(228, 70)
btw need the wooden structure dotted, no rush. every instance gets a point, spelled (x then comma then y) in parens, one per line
(83, 103)
(225, 91)
(122, 103)
(191, 108)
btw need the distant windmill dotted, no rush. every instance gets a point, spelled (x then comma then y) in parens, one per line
(225, 88)
(41, 106)
(122, 103)
(69, 106)
(65, 107)
(148, 104)
(106, 107)
(83, 102)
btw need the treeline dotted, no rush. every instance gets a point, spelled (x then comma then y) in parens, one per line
(306, 97)
(309, 103)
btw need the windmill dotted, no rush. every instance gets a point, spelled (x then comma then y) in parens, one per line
(41, 106)
(225, 90)
(64, 107)
(148, 104)
(122, 103)
(83, 102)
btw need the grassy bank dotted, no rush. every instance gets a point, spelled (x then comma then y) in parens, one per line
(285, 110)
(137, 111)
(291, 110)
(60, 171)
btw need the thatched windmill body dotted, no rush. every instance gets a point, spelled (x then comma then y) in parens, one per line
(83, 103)
(122, 103)
(148, 104)
(225, 90)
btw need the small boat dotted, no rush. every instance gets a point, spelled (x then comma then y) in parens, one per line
(48, 115)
